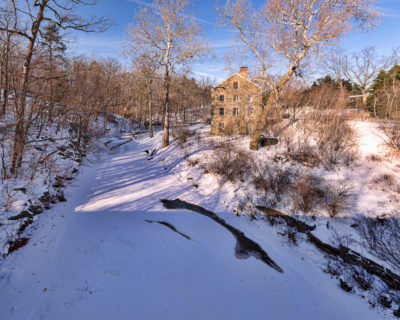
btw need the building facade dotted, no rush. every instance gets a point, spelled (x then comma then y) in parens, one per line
(236, 105)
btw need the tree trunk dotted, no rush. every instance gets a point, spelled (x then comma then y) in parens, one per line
(260, 125)
(19, 143)
(150, 112)
(4, 101)
(364, 96)
(166, 109)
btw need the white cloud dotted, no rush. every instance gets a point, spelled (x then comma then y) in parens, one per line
(141, 3)
(208, 75)
(388, 13)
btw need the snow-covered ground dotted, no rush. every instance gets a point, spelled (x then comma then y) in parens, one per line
(52, 159)
(96, 256)
(375, 197)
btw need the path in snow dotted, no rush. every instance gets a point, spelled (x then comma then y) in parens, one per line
(95, 257)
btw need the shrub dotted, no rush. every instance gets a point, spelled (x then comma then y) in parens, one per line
(305, 155)
(271, 179)
(307, 192)
(382, 238)
(182, 134)
(228, 162)
(335, 139)
(385, 180)
(391, 128)
(336, 199)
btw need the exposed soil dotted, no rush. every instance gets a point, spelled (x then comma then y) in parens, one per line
(345, 254)
(245, 247)
(17, 244)
(167, 224)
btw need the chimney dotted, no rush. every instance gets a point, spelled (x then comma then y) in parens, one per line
(244, 72)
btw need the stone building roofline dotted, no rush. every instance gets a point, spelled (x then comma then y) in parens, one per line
(237, 74)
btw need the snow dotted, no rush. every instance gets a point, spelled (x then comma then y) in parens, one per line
(34, 179)
(372, 199)
(95, 256)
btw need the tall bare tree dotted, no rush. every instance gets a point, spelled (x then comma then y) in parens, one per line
(170, 34)
(147, 67)
(35, 14)
(361, 68)
(6, 39)
(282, 34)
(333, 64)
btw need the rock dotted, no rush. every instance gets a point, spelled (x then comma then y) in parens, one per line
(45, 197)
(58, 184)
(396, 313)
(345, 286)
(35, 209)
(362, 282)
(24, 225)
(17, 244)
(385, 301)
(60, 196)
(22, 189)
(22, 215)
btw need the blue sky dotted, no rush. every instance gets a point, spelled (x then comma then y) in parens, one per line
(385, 37)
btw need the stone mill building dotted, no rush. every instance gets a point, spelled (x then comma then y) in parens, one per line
(236, 104)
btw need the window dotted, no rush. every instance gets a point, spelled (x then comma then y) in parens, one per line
(235, 112)
(235, 98)
(250, 98)
(250, 111)
(221, 98)
(221, 127)
(221, 111)
(235, 85)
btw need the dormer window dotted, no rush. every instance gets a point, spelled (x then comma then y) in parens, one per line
(235, 98)
(235, 85)
(221, 98)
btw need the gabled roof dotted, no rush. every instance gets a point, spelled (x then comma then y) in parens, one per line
(237, 74)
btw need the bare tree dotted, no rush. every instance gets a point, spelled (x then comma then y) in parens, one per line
(282, 34)
(35, 14)
(147, 67)
(6, 40)
(333, 65)
(361, 68)
(168, 33)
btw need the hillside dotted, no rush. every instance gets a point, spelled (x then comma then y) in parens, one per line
(113, 251)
